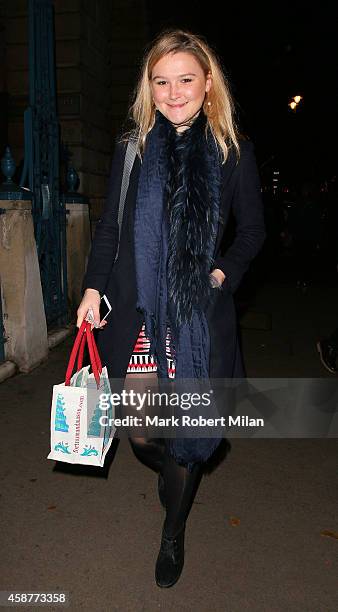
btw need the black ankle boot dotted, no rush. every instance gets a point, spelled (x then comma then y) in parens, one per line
(170, 560)
(161, 492)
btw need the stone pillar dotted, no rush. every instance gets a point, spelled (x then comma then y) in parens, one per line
(78, 247)
(23, 308)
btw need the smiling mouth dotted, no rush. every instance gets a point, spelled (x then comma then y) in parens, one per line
(177, 105)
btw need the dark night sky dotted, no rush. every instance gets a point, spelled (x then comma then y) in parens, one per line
(271, 52)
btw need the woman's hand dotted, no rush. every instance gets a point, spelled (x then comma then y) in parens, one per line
(91, 299)
(218, 275)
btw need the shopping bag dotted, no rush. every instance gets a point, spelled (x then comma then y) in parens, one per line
(78, 434)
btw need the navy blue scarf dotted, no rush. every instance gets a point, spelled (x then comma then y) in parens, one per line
(176, 220)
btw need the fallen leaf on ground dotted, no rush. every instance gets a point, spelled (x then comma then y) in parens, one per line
(234, 521)
(330, 534)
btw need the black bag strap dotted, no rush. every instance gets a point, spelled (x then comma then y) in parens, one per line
(129, 159)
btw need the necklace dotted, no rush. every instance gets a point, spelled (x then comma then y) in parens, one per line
(187, 122)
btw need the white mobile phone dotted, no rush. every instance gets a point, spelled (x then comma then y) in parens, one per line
(105, 308)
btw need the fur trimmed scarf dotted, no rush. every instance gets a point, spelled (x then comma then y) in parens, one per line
(176, 220)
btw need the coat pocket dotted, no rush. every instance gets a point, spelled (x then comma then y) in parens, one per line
(215, 294)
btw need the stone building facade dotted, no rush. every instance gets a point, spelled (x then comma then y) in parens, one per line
(99, 45)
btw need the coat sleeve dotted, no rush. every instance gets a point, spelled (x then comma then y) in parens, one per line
(105, 241)
(248, 210)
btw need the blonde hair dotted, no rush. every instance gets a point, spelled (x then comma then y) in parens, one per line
(218, 105)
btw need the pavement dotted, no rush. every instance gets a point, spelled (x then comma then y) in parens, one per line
(262, 532)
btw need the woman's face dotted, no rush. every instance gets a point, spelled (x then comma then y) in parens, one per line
(178, 86)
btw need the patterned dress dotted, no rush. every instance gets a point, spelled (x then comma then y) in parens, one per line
(142, 362)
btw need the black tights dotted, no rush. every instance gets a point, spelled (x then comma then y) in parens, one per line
(180, 485)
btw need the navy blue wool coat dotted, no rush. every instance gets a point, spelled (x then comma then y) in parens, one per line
(241, 193)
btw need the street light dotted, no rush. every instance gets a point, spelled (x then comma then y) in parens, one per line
(295, 101)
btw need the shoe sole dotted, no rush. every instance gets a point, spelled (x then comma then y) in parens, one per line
(167, 586)
(323, 362)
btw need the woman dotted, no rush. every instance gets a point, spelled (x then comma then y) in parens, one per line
(171, 287)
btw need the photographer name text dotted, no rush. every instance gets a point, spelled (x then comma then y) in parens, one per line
(184, 421)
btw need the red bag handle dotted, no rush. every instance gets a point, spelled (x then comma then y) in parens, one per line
(81, 352)
(93, 354)
(84, 334)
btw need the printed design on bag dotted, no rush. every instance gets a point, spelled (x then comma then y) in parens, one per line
(63, 447)
(95, 426)
(60, 418)
(88, 451)
(78, 425)
(108, 428)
